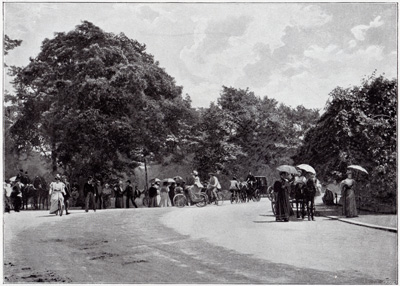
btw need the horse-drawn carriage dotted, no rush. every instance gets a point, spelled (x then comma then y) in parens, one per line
(299, 201)
(261, 185)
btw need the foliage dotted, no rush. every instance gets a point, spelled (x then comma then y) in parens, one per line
(90, 100)
(244, 132)
(359, 126)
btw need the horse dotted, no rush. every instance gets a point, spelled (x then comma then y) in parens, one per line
(299, 196)
(29, 192)
(43, 195)
(309, 194)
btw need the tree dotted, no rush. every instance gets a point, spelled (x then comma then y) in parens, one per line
(91, 99)
(358, 127)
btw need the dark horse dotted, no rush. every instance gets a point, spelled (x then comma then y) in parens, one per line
(29, 192)
(309, 194)
(299, 196)
(40, 185)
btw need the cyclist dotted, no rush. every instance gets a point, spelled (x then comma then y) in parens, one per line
(213, 185)
(57, 192)
(234, 187)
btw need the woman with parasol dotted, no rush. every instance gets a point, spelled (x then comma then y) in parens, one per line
(282, 190)
(349, 202)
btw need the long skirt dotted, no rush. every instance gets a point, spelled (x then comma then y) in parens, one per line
(55, 197)
(282, 207)
(165, 200)
(119, 202)
(349, 204)
(153, 202)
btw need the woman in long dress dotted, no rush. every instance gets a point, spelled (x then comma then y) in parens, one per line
(165, 200)
(57, 192)
(349, 201)
(282, 206)
(119, 194)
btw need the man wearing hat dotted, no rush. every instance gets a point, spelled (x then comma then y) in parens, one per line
(130, 195)
(89, 192)
(213, 185)
(67, 195)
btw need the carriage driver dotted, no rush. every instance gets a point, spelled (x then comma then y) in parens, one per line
(251, 180)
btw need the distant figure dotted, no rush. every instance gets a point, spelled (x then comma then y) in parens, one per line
(119, 194)
(153, 195)
(282, 206)
(130, 195)
(213, 185)
(67, 195)
(349, 201)
(165, 200)
(57, 193)
(251, 180)
(171, 193)
(89, 192)
(106, 196)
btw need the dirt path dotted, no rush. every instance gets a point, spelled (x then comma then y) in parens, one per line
(147, 246)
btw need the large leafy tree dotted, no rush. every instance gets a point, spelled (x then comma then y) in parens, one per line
(358, 127)
(95, 102)
(252, 133)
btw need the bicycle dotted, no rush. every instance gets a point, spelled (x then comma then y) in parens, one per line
(211, 199)
(199, 199)
(235, 196)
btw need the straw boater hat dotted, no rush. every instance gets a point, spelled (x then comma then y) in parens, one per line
(195, 173)
(58, 177)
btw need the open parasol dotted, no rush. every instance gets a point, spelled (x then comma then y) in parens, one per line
(178, 179)
(168, 180)
(288, 169)
(307, 168)
(357, 167)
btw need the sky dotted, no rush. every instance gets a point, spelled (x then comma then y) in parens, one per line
(296, 53)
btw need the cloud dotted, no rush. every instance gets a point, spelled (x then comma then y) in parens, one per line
(360, 30)
(310, 16)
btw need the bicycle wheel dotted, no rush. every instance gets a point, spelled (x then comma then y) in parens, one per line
(179, 200)
(203, 201)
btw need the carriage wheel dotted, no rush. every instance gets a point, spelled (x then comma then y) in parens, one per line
(203, 201)
(179, 200)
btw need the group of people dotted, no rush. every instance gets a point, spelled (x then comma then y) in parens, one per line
(161, 193)
(307, 184)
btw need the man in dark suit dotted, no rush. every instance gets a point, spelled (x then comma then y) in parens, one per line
(89, 192)
(67, 193)
(130, 195)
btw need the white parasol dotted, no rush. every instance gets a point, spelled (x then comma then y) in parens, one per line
(288, 169)
(307, 168)
(357, 167)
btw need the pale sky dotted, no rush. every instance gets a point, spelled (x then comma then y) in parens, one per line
(295, 53)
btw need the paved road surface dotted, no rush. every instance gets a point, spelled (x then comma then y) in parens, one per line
(227, 244)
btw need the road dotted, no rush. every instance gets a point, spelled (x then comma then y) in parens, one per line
(216, 244)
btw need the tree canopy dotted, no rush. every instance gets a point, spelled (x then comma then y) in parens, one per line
(357, 127)
(95, 102)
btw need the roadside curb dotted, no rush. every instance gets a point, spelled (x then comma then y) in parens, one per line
(386, 228)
